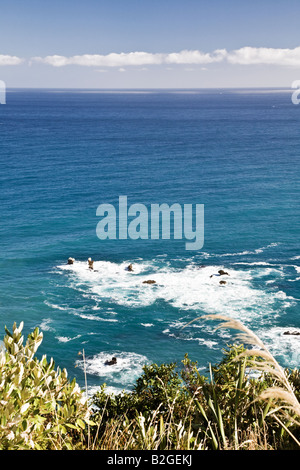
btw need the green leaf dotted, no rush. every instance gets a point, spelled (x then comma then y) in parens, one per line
(72, 426)
(80, 423)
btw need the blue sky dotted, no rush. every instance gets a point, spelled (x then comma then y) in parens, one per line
(149, 44)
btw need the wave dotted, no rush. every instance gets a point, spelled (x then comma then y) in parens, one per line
(128, 368)
(57, 307)
(190, 288)
(45, 325)
(282, 345)
(65, 339)
(241, 253)
(254, 293)
(178, 334)
(95, 318)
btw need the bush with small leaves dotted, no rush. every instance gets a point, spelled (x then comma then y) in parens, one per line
(39, 407)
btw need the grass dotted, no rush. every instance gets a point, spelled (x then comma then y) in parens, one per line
(231, 410)
(247, 402)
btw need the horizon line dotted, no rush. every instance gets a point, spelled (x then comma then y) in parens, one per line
(150, 89)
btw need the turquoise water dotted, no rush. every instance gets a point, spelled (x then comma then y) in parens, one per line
(63, 153)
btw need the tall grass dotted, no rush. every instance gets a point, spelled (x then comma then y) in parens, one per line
(230, 409)
(280, 399)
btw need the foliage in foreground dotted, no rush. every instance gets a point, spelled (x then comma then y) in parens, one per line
(221, 411)
(39, 407)
(231, 408)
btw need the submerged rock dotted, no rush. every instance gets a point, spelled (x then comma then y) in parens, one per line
(150, 281)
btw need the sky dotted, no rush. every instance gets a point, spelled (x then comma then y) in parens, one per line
(149, 44)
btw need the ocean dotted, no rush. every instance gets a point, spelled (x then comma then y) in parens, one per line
(65, 152)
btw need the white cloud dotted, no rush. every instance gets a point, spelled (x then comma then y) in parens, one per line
(242, 56)
(195, 57)
(264, 55)
(109, 60)
(10, 60)
(133, 58)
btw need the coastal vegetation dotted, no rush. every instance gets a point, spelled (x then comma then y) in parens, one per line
(245, 402)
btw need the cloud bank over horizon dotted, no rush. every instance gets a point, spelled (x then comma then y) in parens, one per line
(133, 59)
(243, 56)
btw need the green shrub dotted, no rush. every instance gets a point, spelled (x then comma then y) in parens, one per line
(167, 409)
(221, 411)
(159, 387)
(39, 407)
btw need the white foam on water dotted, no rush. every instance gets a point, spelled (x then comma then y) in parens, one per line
(55, 306)
(254, 263)
(183, 330)
(186, 289)
(87, 316)
(211, 344)
(127, 370)
(65, 339)
(250, 295)
(194, 289)
(247, 252)
(45, 325)
(286, 346)
(281, 295)
(112, 281)
(205, 255)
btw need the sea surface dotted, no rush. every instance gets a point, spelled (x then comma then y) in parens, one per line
(65, 152)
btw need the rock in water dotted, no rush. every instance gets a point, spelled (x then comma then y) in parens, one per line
(91, 263)
(112, 362)
(222, 273)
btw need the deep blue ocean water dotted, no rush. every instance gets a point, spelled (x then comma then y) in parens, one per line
(65, 152)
